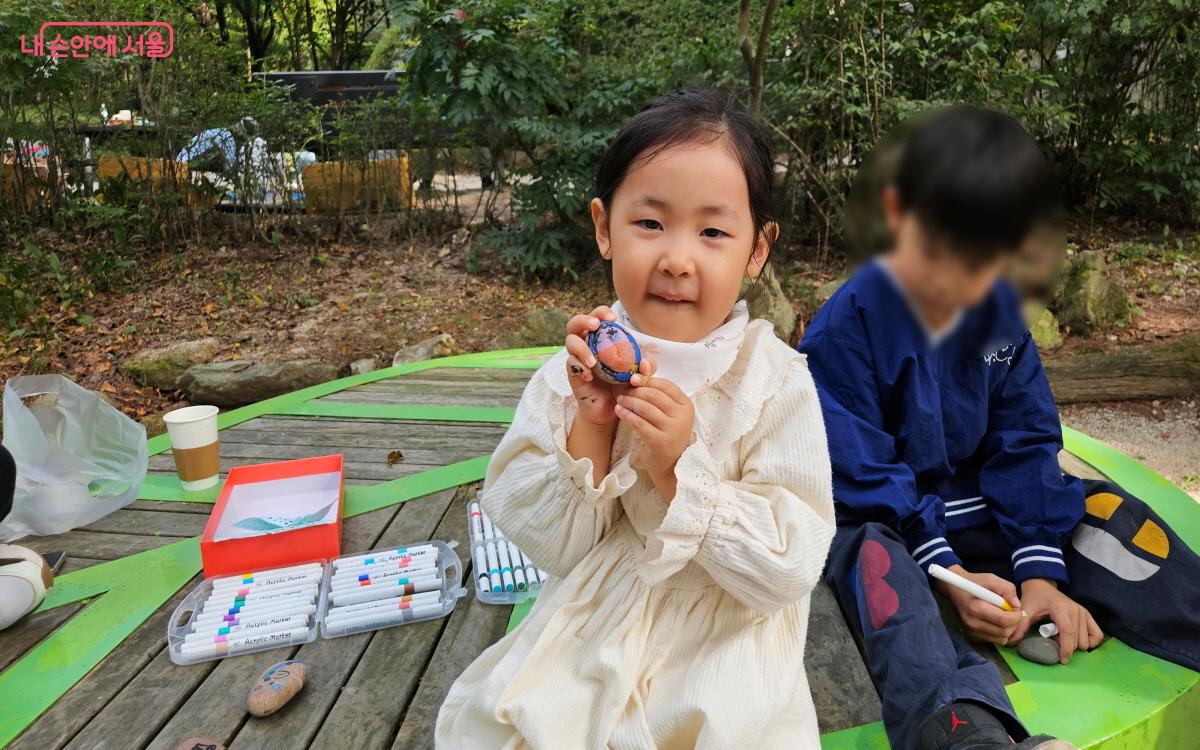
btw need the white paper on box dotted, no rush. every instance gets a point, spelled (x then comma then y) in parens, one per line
(276, 505)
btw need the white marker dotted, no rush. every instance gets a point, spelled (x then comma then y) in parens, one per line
(493, 562)
(260, 610)
(489, 531)
(384, 555)
(542, 577)
(230, 598)
(246, 578)
(250, 623)
(972, 588)
(272, 625)
(506, 576)
(476, 519)
(481, 570)
(518, 568)
(416, 586)
(394, 601)
(229, 646)
(387, 568)
(260, 580)
(383, 619)
(1049, 630)
(530, 571)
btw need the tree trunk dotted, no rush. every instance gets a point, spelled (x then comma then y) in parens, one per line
(1167, 369)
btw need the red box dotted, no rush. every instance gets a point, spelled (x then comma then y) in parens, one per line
(281, 548)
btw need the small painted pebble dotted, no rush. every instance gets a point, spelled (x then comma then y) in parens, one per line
(199, 743)
(1035, 648)
(617, 353)
(276, 687)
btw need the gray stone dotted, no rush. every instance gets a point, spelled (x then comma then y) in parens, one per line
(765, 299)
(1087, 299)
(1043, 326)
(366, 364)
(441, 345)
(541, 327)
(1035, 648)
(161, 368)
(240, 382)
(825, 291)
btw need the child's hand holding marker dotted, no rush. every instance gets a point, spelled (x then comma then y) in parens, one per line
(981, 602)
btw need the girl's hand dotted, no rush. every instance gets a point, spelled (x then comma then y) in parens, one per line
(595, 397)
(663, 416)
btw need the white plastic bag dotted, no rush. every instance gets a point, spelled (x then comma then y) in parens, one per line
(78, 459)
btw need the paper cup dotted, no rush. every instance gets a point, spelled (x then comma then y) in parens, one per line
(193, 431)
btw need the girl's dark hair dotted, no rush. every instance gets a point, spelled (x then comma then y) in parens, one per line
(688, 116)
(977, 181)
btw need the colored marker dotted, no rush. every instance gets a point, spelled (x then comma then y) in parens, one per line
(248, 623)
(394, 601)
(972, 588)
(476, 519)
(493, 562)
(481, 569)
(226, 646)
(385, 581)
(384, 619)
(384, 555)
(267, 608)
(518, 569)
(506, 575)
(270, 625)
(378, 571)
(400, 586)
(384, 605)
(255, 595)
(260, 580)
(399, 561)
(245, 578)
(530, 571)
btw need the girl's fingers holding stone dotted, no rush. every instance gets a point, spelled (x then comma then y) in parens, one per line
(578, 348)
(579, 325)
(576, 372)
(603, 312)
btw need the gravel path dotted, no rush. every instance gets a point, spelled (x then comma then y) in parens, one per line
(1164, 435)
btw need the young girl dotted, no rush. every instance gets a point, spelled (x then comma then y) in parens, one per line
(684, 519)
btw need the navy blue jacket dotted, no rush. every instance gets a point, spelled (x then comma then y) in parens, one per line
(928, 436)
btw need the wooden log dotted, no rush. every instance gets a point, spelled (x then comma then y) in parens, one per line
(1166, 369)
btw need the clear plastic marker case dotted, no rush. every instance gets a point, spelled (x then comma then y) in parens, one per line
(516, 596)
(211, 635)
(189, 620)
(451, 590)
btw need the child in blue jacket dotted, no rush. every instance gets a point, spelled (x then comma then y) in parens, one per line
(944, 440)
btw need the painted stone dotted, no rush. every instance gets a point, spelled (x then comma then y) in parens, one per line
(199, 743)
(1035, 648)
(276, 687)
(617, 353)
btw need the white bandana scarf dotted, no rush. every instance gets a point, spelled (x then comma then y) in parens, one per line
(692, 365)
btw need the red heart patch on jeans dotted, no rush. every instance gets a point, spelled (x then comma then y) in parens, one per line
(882, 601)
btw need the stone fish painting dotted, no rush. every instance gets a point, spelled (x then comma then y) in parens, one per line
(617, 353)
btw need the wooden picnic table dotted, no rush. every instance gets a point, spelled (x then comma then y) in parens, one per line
(374, 690)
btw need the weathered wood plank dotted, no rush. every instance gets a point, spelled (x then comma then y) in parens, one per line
(465, 374)
(352, 427)
(169, 507)
(442, 387)
(73, 711)
(18, 638)
(472, 628)
(842, 690)
(1155, 370)
(335, 659)
(376, 471)
(149, 522)
(1076, 466)
(375, 435)
(97, 545)
(264, 452)
(72, 564)
(447, 399)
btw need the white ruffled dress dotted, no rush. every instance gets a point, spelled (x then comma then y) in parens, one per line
(674, 625)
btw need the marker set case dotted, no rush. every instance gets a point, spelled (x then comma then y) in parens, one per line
(244, 614)
(498, 579)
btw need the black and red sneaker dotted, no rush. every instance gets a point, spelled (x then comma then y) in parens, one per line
(968, 726)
